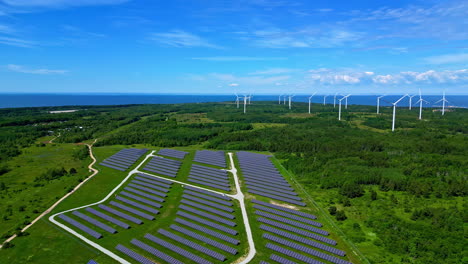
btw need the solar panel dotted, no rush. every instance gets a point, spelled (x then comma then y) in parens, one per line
(207, 197)
(292, 197)
(137, 205)
(120, 214)
(111, 166)
(208, 209)
(297, 231)
(210, 175)
(217, 195)
(208, 223)
(192, 244)
(287, 252)
(205, 239)
(133, 255)
(285, 209)
(277, 197)
(209, 184)
(268, 184)
(264, 262)
(162, 194)
(285, 214)
(149, 185)
(302, 240)
(203, 169)
(305, 249)
(210, 180)
(95, 222)
(281, 260)
(177, 249)
(80, 226)
(154, 178)
(269, 188)
(117, 163)
(152, 197)
(108, 218)
(92, 262)
(160, 172)
(173, 153)
(155, 252)
(143, 200)
(293, 223)
(162, 168)
(163, 185)
(207, 231)
(215, 205)
(131, 210)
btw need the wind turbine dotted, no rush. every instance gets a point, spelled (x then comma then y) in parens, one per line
(290, 97)
(324, 98)
(443, 100)
(420, 101)
(410, 101)
(378, 103)
(346, 104)
(339, 105)
(394, 110)
(310, 99)
(279, 99)
(284, 101)
(237, 100)
(334, 100)
(250, 97)
(245, 103)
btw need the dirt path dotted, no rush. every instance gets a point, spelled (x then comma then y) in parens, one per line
(90, 166)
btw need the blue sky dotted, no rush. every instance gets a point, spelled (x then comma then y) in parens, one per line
(224, 46)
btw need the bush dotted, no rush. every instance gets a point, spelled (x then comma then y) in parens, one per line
(341, 216)
(351, 190)
(332, 210)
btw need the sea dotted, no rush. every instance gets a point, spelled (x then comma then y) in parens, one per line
(41, 100)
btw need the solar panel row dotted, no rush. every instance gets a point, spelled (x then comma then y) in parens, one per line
(160, 172)
(293, 254)
(291, 197)
(192, 244)
(92, 262)
(152, 197)
(209, 198)
(143, 200)
(95, 222)
(154, 178)
(305, 249)
(80, 226)
(123, 159)
(155, 252)
(267, 184)
(216, 158)
(142, 188)
(208, 179)
(209, 209)
(172, 153)
(111, 166)
(207, 231)
(293, 223)
(302, 240)
(281, 208)
(204, 239)
(270, 188)
(131, 210)
(108, 218)
(120, 214)
(278, 198)
(281, 260)
(177, 249)
(137, 205)
(217, 195)
(217, 186)
(297, 231)
(138, 178)
(207, 222)
(285, 214)
(132, 254)
(149, 185)
(220, 177)
(215, 205)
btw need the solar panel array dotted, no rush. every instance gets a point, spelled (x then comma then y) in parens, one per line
(133, 255)
(95, 222)
(80, 226)
(261, 177)
(92, 262)
(163, 166)
(155, 252)
(209, 177)
(173, 153)
(292, 233)
(123, 159)
(215, 158)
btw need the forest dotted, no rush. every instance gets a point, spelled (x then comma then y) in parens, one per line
(400, 197)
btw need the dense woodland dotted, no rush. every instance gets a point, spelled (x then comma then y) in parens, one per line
(412, 184)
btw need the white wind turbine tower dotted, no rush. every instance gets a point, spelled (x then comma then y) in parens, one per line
(421, 101)
(324, 98)
(339, 105)
(394, 110)
(346, 101)
(310, 100)
(245, 103)
(279, 99)
(284, 99)
(237, 100)
(250, 97)
(290, 97)
(443, 100)
(334, 100)
(410, 101)
(378, 103)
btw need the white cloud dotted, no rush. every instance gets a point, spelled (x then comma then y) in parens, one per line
(448, 59)
(17, 42)
(179, 38)
(6, 29)
(233, 84)
(237, 58)
(22, 69)
(60, 3)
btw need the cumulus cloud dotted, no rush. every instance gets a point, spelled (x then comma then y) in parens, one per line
(448, 58)
(22, 69)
